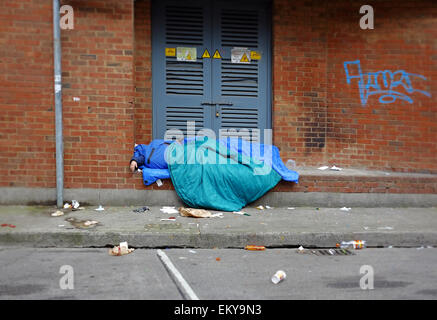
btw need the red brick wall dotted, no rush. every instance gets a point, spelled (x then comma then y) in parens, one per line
(97, 66)
(27, 144)
(143, 73)
(318, 117)
(300, 80)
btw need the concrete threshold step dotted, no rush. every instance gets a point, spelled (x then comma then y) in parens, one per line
(348, 187)
(361, 181)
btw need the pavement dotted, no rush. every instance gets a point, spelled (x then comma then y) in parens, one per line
(281, 227)
(240, 275)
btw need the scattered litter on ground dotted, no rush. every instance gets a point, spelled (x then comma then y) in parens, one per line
(335, 168)
(278, 276)
(390, 247)
(90, 223)
(217, 259)
(254, 248)
(198, 213)
(182, 258)
(169, 219)
(100, 208)
(8, 225)
(345, 209)
(159, 182)
(290, 164)
(317, 208)
(82, 224)
(75, 204)
(306, 251)
(260, 208)
(291, 208)
(121, 249)
(241, 213)
(366, 228)
(57, 213)
(385, 228)
(268, 207)
(142, 209)
(61, 225)
(169, 210)
(193, 251)
(354, 244)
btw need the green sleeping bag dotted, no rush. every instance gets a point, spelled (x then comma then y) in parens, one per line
(207, 174)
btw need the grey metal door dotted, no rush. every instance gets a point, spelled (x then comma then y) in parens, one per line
(226, 87)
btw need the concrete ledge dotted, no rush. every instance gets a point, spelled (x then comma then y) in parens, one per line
(27, 196)
(126, 197)
(214, 240)
(112, 197)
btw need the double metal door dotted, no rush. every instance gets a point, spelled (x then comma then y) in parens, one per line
(211, 67)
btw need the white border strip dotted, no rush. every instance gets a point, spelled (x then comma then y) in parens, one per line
(177, 276)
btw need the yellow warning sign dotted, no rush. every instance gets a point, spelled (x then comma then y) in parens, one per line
(170, 52)
(244, 58)
(206, 54)
(255, 55)
(217, 55)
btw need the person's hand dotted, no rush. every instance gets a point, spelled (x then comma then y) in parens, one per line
(133, 166)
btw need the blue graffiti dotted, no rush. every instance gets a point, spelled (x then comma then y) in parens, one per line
(386, 90)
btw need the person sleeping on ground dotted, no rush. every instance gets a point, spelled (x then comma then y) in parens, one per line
(223, 174)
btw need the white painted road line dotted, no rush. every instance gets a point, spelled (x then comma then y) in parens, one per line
(183, 285)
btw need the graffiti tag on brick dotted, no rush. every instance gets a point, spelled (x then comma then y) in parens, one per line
(389, 86)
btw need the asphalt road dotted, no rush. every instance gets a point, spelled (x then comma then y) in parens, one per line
(229, 274)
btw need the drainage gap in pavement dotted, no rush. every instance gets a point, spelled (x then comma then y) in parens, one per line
(327, 252)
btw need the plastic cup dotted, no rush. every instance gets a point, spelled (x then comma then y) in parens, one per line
(278, 276)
